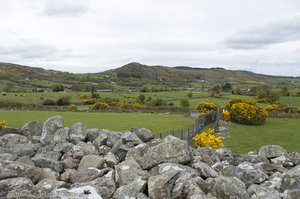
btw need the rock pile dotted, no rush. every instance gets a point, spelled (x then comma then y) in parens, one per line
(53, 161)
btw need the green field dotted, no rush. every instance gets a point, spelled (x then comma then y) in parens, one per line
(280, 131)
(157, 123)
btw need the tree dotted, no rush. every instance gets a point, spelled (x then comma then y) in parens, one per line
(141, 99)
(144, 89)
(216, 89)
(190, 94)
(285, 91)
(226, 87)
(273, 96)
(184, 103)
(57, 88)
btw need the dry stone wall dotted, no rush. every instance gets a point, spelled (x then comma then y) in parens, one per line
(52, 161)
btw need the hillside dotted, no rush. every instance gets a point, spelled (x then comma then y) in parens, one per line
(132, 75)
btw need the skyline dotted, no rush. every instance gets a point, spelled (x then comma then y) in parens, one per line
(93, 36)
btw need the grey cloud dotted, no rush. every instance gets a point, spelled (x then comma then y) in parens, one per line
(27, 49)
(268, 34)
(71, 8)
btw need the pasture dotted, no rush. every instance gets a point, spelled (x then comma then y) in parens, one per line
(279, 131)
(157, 123)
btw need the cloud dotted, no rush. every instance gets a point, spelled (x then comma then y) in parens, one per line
(28, 49)
(265, 35)
(72, 8)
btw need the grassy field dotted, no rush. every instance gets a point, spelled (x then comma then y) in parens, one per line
(157, 123)
(279, 131)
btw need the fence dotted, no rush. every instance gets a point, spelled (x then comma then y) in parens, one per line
(188, 133)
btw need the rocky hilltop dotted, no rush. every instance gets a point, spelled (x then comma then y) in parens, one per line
(52, 161)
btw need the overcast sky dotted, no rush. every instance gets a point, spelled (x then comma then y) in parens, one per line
(262, 36)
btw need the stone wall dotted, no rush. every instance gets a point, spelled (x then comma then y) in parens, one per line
(52, 161)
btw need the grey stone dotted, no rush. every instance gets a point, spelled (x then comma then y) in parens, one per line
(272, 151)
(292, 179)
(130, 190)
(26, 149)
(104, 150)
(228, 187)
(274, 181)
(9, 169)
(8, 131)
(81, 149)
(292, 194)
(51, 125)
(249, 174)
(85, 192)
(111, 160)
(144, 134)
(131, 137)
(18, 186)
(61, 135)
(161, 186)
(70, 163)
(187, 187)
(295, 158)
(46, 161)
(113, 137)
(164, 167)
(207, 155)
(47, 185)
(92, 134)
(104, 185)
(128, 171)
(26, 160)
(8, 156)
(77, 133)
(12, 139)
(89, 161)
(204, 170)
(100, 140)
(258, 192)
(30, 129)
(87, 175)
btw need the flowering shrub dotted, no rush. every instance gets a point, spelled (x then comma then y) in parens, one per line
(272, 107)
(137, 105)
(101, 105)
(226, 115)
(246, 112)
(207, 139)
(72, 107)
(83, 96)
(3, 124)
(89, 101)
(205, 106)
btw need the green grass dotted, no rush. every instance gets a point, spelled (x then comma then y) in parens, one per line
(294, 101)
(157, 123)
(278, 131)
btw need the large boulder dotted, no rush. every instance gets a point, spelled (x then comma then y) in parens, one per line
(259, 192)
(100, 140)
(161, 186)
(249, 174)
(30, 129)
(86, 175)
(171, 149)
(272, 151)
(47, 185)
(11, 139)
(61, 135)
(51, 125)
(144, 134)
(205, 170)
(130, 190)
(77, 133)
(9, 169)
(228, 187)
(90, 161)
(48, 160)
(24, 149)
(292, 179)
(15, 187)
(84, 192)
(104, 185)
(128, 171)
(81, 149)
(4, 131)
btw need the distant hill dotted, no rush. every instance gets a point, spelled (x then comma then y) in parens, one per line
(132, 74)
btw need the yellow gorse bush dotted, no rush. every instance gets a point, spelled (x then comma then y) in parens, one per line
(272, 107)
(226, 115)
(207, 139)
(101, 105)
(72, 107)
(3, 124)
(205, 106)
(246, 112)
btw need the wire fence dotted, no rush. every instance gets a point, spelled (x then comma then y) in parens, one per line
(200, 123)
